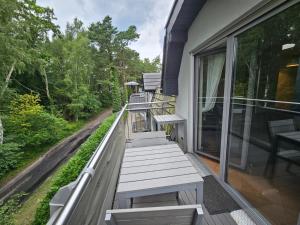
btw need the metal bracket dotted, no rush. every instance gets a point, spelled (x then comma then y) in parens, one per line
(90, 171)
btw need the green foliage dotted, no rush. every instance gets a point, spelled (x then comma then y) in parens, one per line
(70, 171)
(69, 75)
(10, 155)
(105, 93)
(31, 125)
(23, 25)
(8, 208)
(116, 93)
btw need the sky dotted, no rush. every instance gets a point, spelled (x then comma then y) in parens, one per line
(149, 16)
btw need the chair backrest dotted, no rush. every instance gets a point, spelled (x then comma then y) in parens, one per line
(281, 126)
(175, 215)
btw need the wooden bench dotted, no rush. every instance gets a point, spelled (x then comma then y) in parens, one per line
(175, 215)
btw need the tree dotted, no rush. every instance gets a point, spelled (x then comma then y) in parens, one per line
(116, 94)
(79, 66)
(110, 48)
(23, 24)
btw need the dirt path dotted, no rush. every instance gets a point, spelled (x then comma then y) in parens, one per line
(37, 172)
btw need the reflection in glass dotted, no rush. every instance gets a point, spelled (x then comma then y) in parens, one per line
(264, 133)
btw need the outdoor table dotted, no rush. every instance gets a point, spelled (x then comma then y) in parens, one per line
(290, 137)
(156, 170)
(172, 119)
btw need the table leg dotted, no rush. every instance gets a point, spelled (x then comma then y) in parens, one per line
(272, 160)
(199, 194)
(123, 203)
(185, 136)
(158, 127)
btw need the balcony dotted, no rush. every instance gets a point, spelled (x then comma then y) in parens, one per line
(86, 200)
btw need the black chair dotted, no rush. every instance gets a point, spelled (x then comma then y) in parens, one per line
(276, 127)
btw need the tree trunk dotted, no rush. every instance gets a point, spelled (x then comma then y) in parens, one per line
(7, 80)
(1, 132)
(252, 68)
(47, 87)
(44, 74)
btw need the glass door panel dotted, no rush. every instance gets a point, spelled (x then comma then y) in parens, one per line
(211, 72)
(264, 131)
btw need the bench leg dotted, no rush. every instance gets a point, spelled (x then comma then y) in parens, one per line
(199, 194)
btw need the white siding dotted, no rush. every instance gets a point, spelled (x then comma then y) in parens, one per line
(215, 15)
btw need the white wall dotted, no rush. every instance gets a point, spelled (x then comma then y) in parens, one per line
(215, 15)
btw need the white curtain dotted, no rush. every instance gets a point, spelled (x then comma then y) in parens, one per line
(214, 71)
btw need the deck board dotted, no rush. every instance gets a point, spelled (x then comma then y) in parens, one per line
(152, 156)
(148, 135)
(149, 148)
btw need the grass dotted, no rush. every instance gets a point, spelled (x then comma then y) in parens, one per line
(25, 214)
(30, 156)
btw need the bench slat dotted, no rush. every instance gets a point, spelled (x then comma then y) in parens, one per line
(167, 182)
(158, 167)
(157, 174)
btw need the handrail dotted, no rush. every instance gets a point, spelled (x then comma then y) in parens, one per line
(146, 108)
(144, 103)
(86, 176)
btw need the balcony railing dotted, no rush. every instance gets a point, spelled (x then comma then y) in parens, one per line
(86, 200)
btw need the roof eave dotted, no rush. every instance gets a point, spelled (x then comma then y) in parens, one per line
(180, 19)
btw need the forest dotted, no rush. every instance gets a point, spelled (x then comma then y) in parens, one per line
(53, 79)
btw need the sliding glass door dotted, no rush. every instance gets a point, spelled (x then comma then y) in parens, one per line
(264, 121)
(210, 83)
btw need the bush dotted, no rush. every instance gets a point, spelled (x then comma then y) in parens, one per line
(31, 125)
(10, 156)
(71, 170)
(10, 207)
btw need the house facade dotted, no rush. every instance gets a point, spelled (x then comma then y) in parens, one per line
(234, 68)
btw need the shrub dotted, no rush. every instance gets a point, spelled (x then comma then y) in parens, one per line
(10, 156)
(8, 208)
(71, 170)
(31, 125)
